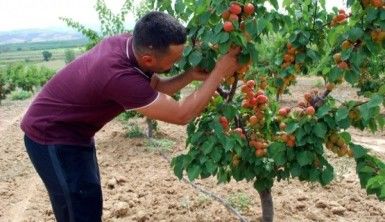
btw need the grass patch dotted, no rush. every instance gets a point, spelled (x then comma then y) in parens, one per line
(239, 200)
(134, 131)
(159, 144)
(20, 94)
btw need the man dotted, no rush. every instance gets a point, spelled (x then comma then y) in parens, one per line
(116, 75)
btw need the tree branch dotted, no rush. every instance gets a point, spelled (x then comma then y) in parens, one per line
(233, 89)
(224, 94)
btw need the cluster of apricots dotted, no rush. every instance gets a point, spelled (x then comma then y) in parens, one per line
(378, 35)
(233, 14)
(340, 18)
(289, 57)
(337, 145)
(289, 139)
(256, 100)
(289, 60)
(342, 64)
(373, 3)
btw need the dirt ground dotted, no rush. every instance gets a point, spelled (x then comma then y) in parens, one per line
(139, 185)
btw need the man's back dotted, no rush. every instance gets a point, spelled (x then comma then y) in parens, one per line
(85, 95)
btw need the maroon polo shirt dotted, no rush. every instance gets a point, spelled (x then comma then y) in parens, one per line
(87, 93)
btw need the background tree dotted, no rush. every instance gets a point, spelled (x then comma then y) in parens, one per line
(69, 55)
(47, 55)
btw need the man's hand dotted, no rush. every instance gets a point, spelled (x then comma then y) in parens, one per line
(228, 64)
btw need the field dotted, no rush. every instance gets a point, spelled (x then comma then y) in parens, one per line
(31, 53)
(139, 185)
(34, 56)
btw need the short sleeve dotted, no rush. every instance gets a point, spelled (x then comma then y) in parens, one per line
(130, 90)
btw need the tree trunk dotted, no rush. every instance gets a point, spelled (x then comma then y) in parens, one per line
(277, 97)
(267, 206)
(150, 127)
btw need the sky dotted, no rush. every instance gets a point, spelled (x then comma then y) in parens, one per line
(26, 14)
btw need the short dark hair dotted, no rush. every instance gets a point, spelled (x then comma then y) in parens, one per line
(157, 31)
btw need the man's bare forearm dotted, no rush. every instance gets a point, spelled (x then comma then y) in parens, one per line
(171, 85)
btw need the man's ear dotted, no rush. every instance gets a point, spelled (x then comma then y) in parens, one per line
(148, 60)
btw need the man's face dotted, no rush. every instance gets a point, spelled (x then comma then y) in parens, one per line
(165, 62)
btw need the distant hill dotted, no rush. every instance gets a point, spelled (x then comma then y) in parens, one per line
(39, 35)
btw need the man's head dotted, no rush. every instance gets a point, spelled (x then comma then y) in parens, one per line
(158, 41)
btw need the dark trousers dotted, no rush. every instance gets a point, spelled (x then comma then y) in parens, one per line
(71, 176)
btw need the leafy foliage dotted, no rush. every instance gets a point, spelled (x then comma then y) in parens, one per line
(47, 55)
(241, 139)
(23, 77)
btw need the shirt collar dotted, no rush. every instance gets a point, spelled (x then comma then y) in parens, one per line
(132, 59)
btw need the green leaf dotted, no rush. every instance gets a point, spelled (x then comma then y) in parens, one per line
(376, 182)
(229, 111)
(195, 58)
(345, 55)
(292, 127)
(344, 124)
(312, 54)
(193, 171)
(208, 145)
(224, 48)
(365, 112)
(223, 176)
(382, 194)
(296, 170)
(358, 150)
(355, 34)
(346, 136)
(330, 121)
(382, 15)
(342, 114)
(352, 77)
(223, 37)
(300, 134)
(251, 27)
(204, 18)
(211, 166)
(320, 130)
(357, 59)
(375, 101)
(323, 110)
(196, 137)
(300, 58)
(229, 144)
(187, 50)
(177, 163)
(253, 52)
(277, 152)
(216, 154)
(327, 176)
(371, 14)
(275, 4)
(314, 175)
(303, 40)
(334, 74)
(305, 158)
(263, 184)
(261, 25)
(179, 7)
(382, 90)
(244, 58)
